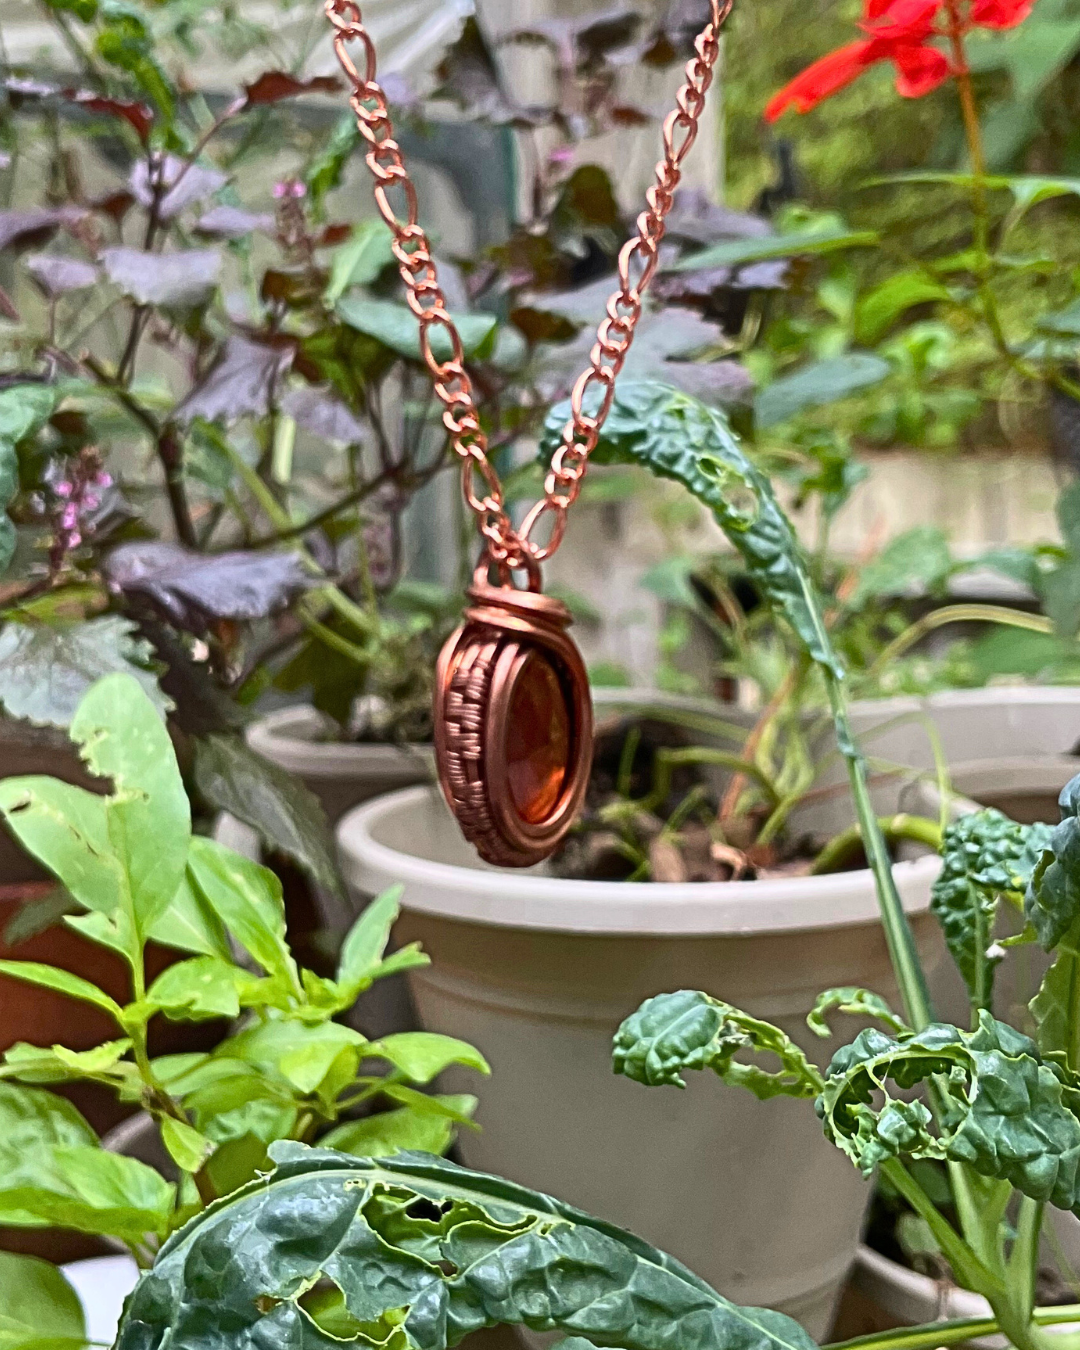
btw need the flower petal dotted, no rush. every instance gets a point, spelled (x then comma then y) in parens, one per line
(822, 79)
(999, 13)
(919, 70)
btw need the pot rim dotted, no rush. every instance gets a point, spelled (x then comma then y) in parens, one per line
(525, 899)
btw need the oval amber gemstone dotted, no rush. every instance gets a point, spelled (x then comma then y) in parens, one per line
(537, 739)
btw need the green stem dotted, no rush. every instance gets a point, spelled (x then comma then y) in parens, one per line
(933, 1334)
(842, 847)
(898, 934)
(939, 618)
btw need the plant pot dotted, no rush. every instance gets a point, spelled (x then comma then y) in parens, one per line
(1000, 722)
(102, 1284)
(342, 774)
(906, 1298)
(539, 971)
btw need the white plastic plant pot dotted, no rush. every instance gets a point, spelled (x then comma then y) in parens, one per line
(539, 971)
(342, 774)
(102, 1283)
(910, 1299)
(971, 724)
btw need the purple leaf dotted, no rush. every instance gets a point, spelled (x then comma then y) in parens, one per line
(182, 184)
(185, 278)
(274, 85)
(56, 274)
(697, 219)
(233, 222)
(137, 115)
(192, 588)
(22, 229)
(239, 383)
(319, 412)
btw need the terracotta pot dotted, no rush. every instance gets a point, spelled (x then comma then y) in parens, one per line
(538, 971)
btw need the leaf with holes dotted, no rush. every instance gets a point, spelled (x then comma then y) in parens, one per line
(688, 1030)
(677, 436)
(417, 1243)
(1008, 1113)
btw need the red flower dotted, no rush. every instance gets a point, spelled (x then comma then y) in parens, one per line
(899, 31)
(821, 80)
(999, 13)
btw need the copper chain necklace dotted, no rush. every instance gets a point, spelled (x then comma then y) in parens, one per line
(513, 716)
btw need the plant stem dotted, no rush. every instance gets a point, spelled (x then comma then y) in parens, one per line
(898, 934)
(964, 1329)
(940, 618)
(840, 848)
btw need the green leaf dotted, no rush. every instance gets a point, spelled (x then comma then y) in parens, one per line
(984, 856)
(187, 1147)
(33, 1064)
(39, 1310)
(919, 560)
(201, 988)
(1052, 902)
(421, 1055)
(190, 924)
(398, 328)
(63, 982)
(799, 243)
(677, 436)
(247, 898)
(46, 669)
(856, 1003)
(88, 1190)
(286, 814)
(300, 1053)
(397, 1131)
(1056, 1007)
(365, 943)
(457, 1107)
(879, 309)
(24, 409)
(1006, 1112)
(819, 383)
(360, 259)
(495, 1254)
(688, 1030)
(53, 1172)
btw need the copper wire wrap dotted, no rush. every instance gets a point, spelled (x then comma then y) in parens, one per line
(508, 547)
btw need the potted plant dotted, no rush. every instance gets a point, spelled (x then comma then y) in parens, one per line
(468, 1251)
(136, 874)
(536, 964)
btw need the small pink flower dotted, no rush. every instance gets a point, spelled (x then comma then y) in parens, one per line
(289, 187)
(69, 516)
(63, 488)
(74, 539)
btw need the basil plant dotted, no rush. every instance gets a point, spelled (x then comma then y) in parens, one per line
(130, 865)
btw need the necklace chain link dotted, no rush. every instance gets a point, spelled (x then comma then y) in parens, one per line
(507, 546)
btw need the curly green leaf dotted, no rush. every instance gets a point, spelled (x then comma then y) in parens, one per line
(1005, 1111)
(688, 1030)
(679, 437)
(1052, 903)
(856, 1003)
(418, 1251)
(984, 856)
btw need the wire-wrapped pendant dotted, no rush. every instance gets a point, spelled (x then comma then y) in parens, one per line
(513, 724)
